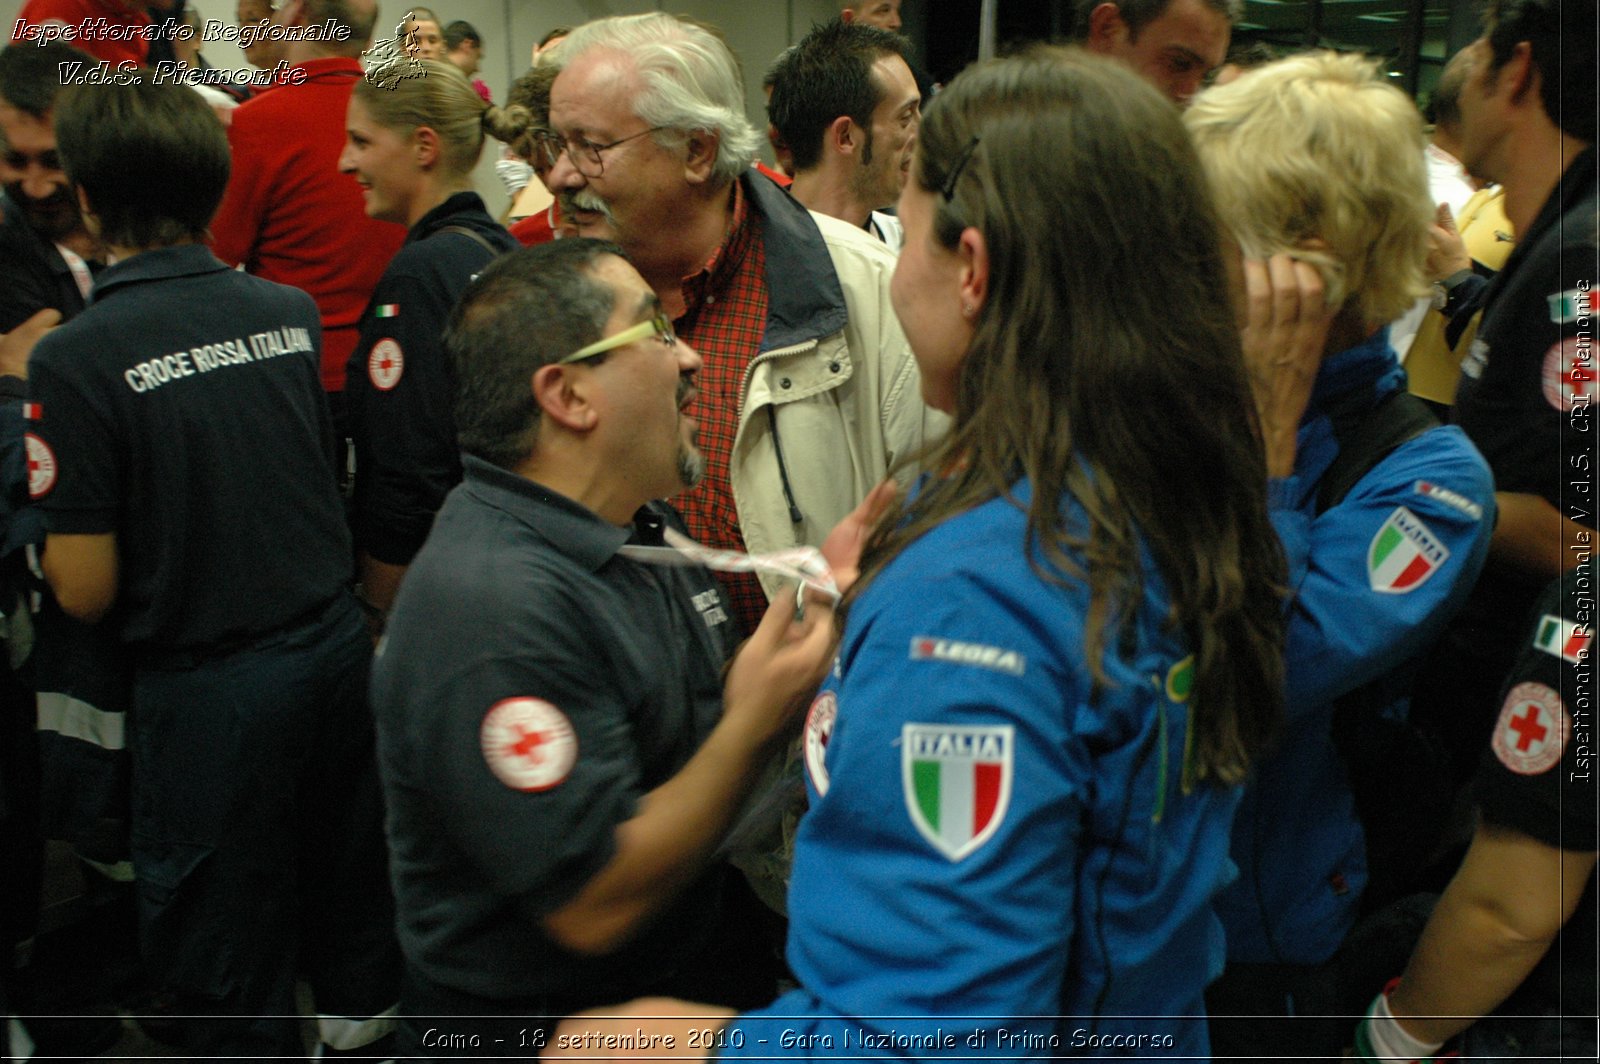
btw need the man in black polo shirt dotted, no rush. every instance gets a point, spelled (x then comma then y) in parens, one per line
(559, 751)
(182, 454)
(1528, 382)
(46, 255)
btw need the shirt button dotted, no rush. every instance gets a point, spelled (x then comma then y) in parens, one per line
(833, 367)
(710, 300)
(786, 383)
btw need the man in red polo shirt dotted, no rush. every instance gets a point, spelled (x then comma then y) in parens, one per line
(289, 215)
(116, 31)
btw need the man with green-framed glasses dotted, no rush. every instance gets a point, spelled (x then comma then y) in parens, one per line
(561, 767)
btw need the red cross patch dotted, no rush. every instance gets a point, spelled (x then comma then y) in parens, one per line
(819, 729)
(41, 466)
(528, 744)
(1532, 730)
(385, 364)
(1569, 375)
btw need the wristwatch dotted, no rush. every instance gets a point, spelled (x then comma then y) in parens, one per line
(1442, 289)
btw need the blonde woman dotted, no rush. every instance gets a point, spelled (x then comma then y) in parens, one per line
(1384, 516)
(412, 145)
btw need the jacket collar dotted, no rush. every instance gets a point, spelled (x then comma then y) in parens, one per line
(804, 297)
(160, 264)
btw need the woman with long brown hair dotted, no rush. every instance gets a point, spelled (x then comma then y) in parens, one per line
(1063, 651)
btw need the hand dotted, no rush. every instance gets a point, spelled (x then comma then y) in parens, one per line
(1284, 335)
(1447, 252)
(772, 679)
(584, 1035)
(17, 345)
(843, 546)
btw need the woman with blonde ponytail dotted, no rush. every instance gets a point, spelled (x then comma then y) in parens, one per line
(413, 141)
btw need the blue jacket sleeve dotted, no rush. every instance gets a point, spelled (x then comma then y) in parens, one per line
(1374, 579)
(920, 888)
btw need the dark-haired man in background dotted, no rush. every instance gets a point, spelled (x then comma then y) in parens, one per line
(846, 104)
(1172, 44)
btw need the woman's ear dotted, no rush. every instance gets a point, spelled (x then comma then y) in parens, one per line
(426, 147)
(974, 253)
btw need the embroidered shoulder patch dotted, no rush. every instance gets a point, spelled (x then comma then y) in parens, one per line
(1573, 304)
(1450, 498)
(1532, 730)
(528, 744)
(819, 729)
(957, 783)
(999, 659)
(1567, 640)
(1568, 375)
(41, 466)
(385, 365)
(1403, 554)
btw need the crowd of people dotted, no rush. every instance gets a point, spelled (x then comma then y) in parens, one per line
(984, 586)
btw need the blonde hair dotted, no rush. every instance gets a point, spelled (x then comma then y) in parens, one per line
(1320, 147)
(441, 98)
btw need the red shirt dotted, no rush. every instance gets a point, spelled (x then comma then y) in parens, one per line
(783, 179)
(534, 229)
(290, 216)
(123, 17)
(724, 319)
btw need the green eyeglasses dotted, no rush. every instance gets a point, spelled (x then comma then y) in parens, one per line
(658, 324)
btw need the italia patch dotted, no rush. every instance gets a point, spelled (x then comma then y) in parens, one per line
(1403, 554)
(32, 411)
(388, 310)
(819, 729)
(1450, 498)
(528, 744)
(1532, 729)
(999, 659)
(1565, 639)
(41, 466)
(1568, 375)
(957, 783)
(385, 365)
(1573, 304)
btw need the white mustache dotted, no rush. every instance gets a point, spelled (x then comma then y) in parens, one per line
(585, 200)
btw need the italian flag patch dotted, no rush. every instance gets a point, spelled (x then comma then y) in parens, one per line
(1566, 639)
(1572, 304)
(957, 783)
(1403, 554)
(388, 310)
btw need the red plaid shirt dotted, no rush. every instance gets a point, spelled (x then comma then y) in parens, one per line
(724, 318)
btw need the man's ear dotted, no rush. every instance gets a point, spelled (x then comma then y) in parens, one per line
(843, 135)
(700, 156)
(1521, 75)
(288, 13)
(562, 394)
(1107, 30)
